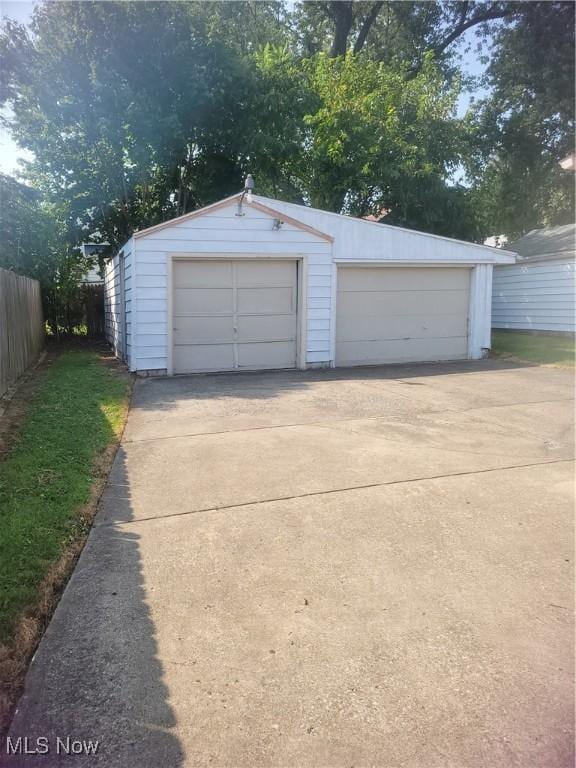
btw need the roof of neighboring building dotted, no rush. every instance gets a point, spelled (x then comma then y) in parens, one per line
(546, 243)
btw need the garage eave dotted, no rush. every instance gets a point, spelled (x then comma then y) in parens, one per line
(272, 212)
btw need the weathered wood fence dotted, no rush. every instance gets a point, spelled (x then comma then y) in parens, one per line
(21, 326)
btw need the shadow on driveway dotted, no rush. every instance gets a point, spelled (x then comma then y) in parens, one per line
(96, 675)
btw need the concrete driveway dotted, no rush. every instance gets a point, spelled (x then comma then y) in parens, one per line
(335, 568)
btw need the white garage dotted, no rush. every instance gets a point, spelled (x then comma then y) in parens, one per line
(252, 284)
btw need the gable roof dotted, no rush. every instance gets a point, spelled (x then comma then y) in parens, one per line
(546, 243)
(225, 203)
(347, 230)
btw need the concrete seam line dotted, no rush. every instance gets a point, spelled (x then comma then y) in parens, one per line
(327, 493)
(330, 421)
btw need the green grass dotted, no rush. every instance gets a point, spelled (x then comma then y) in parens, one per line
(541, 348)
(78, 410)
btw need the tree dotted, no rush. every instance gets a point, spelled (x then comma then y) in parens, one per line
(119, 102)
(139, 112)
(356, 137)
(388, 29)
(28, 231)
(34, 241)
(526, 125)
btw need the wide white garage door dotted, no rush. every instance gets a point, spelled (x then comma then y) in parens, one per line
(234, 314)
(398, 314)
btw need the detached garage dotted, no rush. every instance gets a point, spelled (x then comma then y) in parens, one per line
(253, 283)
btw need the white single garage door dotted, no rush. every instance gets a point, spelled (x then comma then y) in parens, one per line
(234, 314)
(401, 314)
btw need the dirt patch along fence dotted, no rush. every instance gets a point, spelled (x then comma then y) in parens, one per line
(21, 326)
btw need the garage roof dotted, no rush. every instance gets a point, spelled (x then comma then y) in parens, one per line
(377, 241)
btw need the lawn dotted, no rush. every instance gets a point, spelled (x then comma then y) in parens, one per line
(541, 348)
(78, 410)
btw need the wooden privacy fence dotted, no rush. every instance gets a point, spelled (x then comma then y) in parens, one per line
(21, 326)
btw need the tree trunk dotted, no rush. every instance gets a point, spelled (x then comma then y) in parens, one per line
(341, 13)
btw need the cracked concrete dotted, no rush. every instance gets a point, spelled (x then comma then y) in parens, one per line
(370, 567)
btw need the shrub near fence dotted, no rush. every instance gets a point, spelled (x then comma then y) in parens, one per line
(21, 326)
(75, 312)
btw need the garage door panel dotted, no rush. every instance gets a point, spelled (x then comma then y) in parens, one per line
(233, 314)
(400, 351)
(250, 274)
(402, 278)
(363, 327)
(189, 301)
(273, 300)
(403, 303)
(395, 314)
(203, 357)
(202, 274)
(270, 328)
(198, 329)
(267, 355)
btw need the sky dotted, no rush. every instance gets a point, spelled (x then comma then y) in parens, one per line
(21, 10)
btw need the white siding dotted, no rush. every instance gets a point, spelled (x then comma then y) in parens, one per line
(479, 340)
(535, 295)
(359, 240)
(112, 306)
(113, 302)
(129, 282)
(222, 234)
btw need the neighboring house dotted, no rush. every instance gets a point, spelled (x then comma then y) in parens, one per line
(93, 251)
(537, 293)
(260, 283)
(93, 277)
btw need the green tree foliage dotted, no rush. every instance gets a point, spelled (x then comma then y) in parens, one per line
(388, 30)
(526, 126)
(27, 231)
(114, 100)
(356, 136)
(139, 112)
(377, 140)
(35, 241)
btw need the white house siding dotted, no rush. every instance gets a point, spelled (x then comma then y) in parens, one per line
(535, 295)
(113, 302)
(222, 234)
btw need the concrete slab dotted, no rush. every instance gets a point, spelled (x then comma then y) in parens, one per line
(418, 622)
(188, 405)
